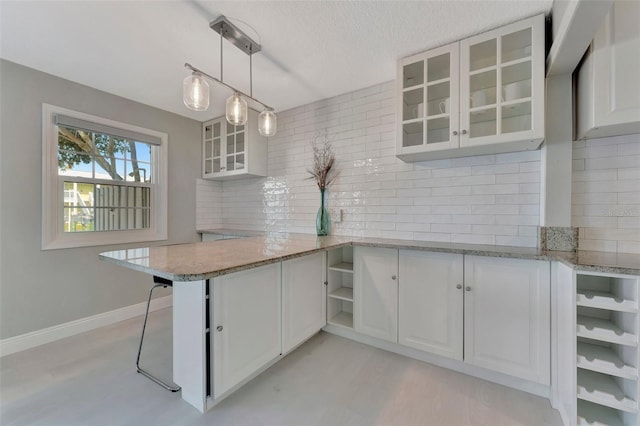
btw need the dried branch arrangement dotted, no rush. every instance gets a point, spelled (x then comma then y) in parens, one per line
(324, 159)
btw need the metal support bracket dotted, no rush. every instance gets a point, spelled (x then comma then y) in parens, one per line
(235, 35)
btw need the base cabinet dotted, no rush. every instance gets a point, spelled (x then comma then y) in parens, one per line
(303, 299)
(507, 316)
(493, 313)
(430, 302)
(246, 324)
(375, 292)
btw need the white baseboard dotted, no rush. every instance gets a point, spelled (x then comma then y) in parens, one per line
(57, 332)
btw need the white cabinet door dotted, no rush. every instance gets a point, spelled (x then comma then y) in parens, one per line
(212, 147)
(303, 299)
(507, 316)
(608, 87)
(427, 90)
(430, 302)
(502, 85)
(246, 324)
(375, 290)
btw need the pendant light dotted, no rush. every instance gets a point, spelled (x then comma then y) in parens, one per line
(236, 110)
(267, 123)
(196, 90)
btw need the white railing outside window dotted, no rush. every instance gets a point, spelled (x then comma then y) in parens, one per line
(104, 182)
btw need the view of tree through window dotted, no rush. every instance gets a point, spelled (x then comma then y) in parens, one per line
(107, 181)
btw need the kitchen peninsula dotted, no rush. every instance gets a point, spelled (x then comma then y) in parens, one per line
(263, 296)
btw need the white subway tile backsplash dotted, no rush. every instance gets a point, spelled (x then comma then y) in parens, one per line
(606, 194)
(490, 199)
(515, 241)
(208, 204)
(629, 247)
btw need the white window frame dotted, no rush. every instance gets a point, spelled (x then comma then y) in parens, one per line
(53, 235)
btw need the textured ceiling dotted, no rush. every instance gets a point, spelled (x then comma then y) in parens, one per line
(311, 49)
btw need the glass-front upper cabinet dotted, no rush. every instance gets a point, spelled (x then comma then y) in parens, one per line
(502, 84)
(212, 134)
(481, 95)
(429, 101)
(235, 147)
(230, 152)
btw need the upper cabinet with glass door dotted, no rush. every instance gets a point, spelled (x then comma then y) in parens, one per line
(231, 152)
(502, 84)
(429, 93)
(494, 97)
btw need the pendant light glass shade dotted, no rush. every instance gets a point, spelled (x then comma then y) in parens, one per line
(267, 123)
(237, 110)
(195, 92)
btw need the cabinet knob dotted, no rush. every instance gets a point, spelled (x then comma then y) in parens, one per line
(459, 286)
(393, 277)
(468, 288)
(464, 132)
(219, 328)
(455, 133)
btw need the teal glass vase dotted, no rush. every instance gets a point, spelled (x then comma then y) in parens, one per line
(322, 219)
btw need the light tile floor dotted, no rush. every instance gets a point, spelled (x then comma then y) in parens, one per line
(90, 379)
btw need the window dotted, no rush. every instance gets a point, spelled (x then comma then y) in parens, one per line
(104, 182)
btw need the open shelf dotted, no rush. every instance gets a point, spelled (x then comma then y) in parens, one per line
(590, 414)
(342, 267)
(597, 299)
(604, 330)
(604, 390)
(343, 319)
(340, 287)
(343, 293)
(603, 360)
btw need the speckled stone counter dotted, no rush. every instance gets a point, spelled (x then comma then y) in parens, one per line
(595, 261)
(198, 261)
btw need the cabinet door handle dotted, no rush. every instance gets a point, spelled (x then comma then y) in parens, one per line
(455, 133)
(459, 286)
(468, 288)
(464, 132)
(219, 328)
(393, 277)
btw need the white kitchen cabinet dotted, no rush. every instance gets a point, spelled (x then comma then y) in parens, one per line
(231, 152)
(375, 291)
(303, 299)
(482, 95)
(428, 101)
(507, 316)
(430, 302)
(607, 86)
(246, 324)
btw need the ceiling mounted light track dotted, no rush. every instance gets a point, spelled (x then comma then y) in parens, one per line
(196, 89)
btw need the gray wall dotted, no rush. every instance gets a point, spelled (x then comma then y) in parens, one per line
(40, 289)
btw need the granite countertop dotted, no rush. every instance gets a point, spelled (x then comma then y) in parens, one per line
(197, 261)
